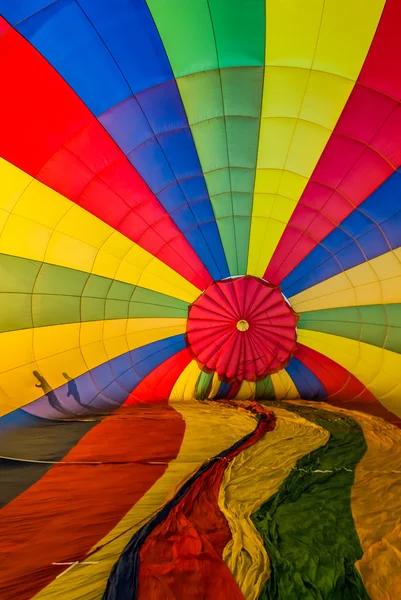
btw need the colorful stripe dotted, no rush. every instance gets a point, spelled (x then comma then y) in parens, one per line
(66, 148)
(250, 480)
(91, 490)
(371, 230)
(319, 490)
(220, 79)
(225, 426)
(307, 82)
(91, 354)
(379, 325)
(361, 154)
(142, 567)
(40, 224)
(35, 294)
(377, 281)
(376, 368)
(126, 81)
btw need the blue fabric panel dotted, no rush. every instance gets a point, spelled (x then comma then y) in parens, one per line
(306, 382)
(203, 211)
(392, 230)
(184, 218)
(120, 365)
(172, 198)
(372, 229)
(195, 188)
(127, 125)
(112, 381)
(373, 243)
(308, 277)
(180, 151)
(163, 107)
(17, 10)
(128, 30)
(211, 233)
(224, 390)
(151, 164)
(64, 35)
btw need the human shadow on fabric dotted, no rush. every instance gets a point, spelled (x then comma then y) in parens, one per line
(49, 392)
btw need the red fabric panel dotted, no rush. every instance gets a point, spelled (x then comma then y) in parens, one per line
(363, 151)
(66, 512)
(159, 383)
(181, 559)
(47, 131)
(343, 388)
(263, 345)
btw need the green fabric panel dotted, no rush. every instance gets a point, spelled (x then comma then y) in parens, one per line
(242, 227)
(242, 91)
(242, 138)
(120, 291)
(139, 309)
(393, 340)
(49, 309)
(203, 386)
(17, 274)
(63, 295)
(201, 96)
(227, 234)
(242, 179)
(15, 311)
(166, 306)
(53, 279)
(393, 312)
(242, 204)
(377, 324)
(240, 31)
(190, 37)
(187, 34)
(211, 144)
(97, 287)
(264, 389)
(218, 182)
(307, 526)
(116, 309)
(222, 205)
(93, 309)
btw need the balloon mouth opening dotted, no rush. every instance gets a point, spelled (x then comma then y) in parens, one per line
(242, 325)
(242, 328)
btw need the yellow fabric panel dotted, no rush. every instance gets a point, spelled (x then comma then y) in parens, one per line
(214, 389)
(224, 427)
(184, 387)
(246, 391)
(377, 281)
(307, 82)
(74, 348)
(378, 369)
(284, 387)
(378, 485)
(251, 479)
(40, 224)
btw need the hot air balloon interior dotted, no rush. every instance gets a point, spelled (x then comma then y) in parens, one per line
(200, 300)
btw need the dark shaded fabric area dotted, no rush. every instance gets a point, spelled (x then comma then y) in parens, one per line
(24, 437)
(77, 502)
(307, 526)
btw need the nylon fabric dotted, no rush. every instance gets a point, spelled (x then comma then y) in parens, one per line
(249, 480)
(314, 556)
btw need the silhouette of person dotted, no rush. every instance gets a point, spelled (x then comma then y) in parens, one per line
(73, 389)
(49, 392)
